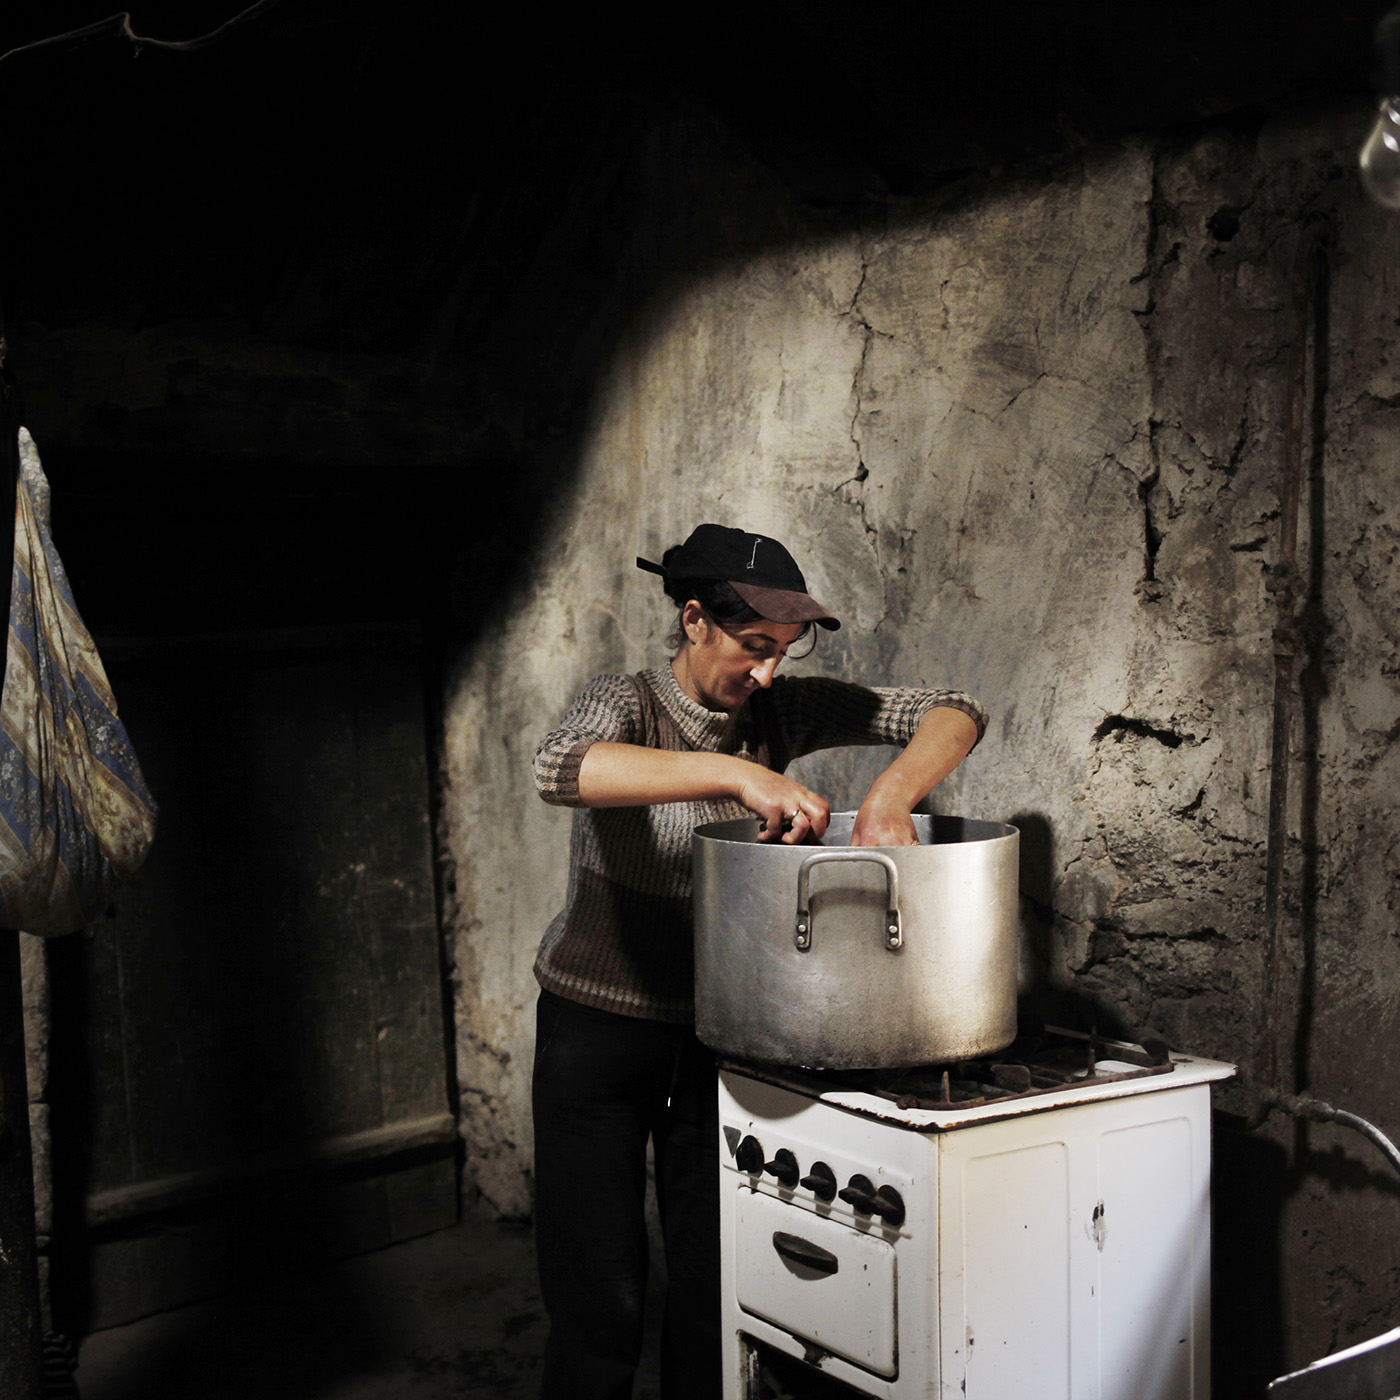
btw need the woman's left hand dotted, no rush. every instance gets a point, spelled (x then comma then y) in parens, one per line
(940, 743)
(879, 825)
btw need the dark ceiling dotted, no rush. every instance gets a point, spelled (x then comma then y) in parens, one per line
(385, 144)
(467, 186)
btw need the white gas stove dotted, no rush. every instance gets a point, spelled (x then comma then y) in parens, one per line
(1031, 1227)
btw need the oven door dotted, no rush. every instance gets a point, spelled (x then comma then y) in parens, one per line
(818, 1278)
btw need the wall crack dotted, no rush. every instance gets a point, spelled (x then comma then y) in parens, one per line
(1116, 726)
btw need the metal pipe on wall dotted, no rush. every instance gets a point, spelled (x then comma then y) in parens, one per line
(1284, 582)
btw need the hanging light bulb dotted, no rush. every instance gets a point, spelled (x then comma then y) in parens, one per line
(1380, 156)
(1380, 152)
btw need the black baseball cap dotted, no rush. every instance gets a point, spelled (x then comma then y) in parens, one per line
(758, 569)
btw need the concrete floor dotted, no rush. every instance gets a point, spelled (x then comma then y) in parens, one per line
(455, 1314)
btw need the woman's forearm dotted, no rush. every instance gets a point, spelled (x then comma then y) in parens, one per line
(628, 775)
(943, 739)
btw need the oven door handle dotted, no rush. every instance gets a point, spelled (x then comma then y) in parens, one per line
(894, 925)
(804, 1252)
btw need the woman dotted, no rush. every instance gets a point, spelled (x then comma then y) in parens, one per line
(646, 759)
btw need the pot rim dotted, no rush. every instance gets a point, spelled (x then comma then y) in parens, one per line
(942, 830)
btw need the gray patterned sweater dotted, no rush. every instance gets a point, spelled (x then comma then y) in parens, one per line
(623, 940)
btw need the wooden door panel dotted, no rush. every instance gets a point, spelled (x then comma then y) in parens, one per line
(264, 1066)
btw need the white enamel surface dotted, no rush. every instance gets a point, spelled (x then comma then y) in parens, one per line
(848, 1144)
(850, 1312)
(1014, 1262)
(1063, 1252)
(1152, 1290)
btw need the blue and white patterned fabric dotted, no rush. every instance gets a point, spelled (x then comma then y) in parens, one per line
(75, 813)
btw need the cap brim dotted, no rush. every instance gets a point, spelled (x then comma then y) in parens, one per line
(784, 605)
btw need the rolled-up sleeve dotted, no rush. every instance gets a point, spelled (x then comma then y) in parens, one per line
(956, 700)
(606, 710)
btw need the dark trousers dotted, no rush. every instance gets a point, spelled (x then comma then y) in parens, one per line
(603, 1085)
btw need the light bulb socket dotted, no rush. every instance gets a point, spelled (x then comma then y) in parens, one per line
(1385, 56)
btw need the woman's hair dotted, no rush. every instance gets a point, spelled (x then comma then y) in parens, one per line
(720, 603)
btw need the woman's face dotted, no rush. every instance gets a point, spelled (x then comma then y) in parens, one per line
(720, 667)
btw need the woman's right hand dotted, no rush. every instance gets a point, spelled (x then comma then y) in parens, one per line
(782, 802)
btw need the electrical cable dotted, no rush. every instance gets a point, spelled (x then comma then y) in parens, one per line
(120, 26)
(1319, 1112)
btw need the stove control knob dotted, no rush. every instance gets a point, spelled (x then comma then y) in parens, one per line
(859, 1192)
(821, 1182)
(784, 1167)
(748, 1156)
(889, 1206)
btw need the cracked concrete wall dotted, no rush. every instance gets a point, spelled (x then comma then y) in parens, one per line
(1028, 440)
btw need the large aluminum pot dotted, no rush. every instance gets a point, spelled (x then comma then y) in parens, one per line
(844, 957)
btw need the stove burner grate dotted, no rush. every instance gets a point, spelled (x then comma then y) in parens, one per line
(1035, 1063)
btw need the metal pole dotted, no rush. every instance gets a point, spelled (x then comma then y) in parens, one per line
(21, 1327)
(21, 1335)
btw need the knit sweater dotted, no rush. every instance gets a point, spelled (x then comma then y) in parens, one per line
(623, 941)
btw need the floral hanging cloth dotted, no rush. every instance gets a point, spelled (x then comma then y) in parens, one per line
(75, 812)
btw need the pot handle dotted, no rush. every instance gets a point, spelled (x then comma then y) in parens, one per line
(894, 934)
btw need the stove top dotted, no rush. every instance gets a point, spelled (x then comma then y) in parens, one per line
(1044, 1067)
